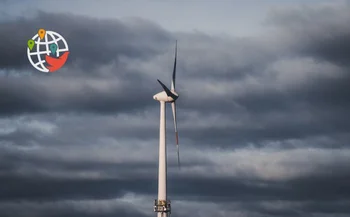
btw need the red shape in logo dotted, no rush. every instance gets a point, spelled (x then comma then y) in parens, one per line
(56, 63)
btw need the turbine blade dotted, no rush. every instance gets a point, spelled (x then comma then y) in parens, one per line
(174, 70)
(167, 91)
(178, 157)
(173, 107)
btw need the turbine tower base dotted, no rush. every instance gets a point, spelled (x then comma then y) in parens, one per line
(162, 206)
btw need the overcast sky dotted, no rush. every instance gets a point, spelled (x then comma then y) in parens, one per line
(263, 112)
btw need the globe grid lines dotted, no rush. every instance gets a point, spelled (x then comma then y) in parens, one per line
(55, 38)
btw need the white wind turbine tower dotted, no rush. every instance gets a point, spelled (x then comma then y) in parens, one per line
(162, 205)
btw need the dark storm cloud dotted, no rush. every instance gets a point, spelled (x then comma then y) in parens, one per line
(71, 209)
(92, 48)
(284, 208)
(336, 207)
(43, 189)
(22, 179)
(73, 130)
(254, 57)
(27, 96)
(316, 105)
(322, 33)
(91, 41)
(333, 187)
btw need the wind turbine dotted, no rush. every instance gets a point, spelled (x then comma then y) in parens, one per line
(162, 206)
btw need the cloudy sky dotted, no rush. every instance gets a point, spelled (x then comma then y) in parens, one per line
(263, 112)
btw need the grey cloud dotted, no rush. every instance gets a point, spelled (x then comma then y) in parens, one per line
(184, 188)
(72, 208)
(26, 96)
(322, 31)
(264, 100)
(336, 207)
(21, 188)
(29, 177)
(92, 42)
(109, 40)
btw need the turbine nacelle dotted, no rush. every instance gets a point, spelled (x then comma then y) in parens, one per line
(162, 96)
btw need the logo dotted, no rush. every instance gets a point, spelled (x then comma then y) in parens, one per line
(47, 51)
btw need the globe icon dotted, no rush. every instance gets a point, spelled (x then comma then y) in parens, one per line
(41, 48)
